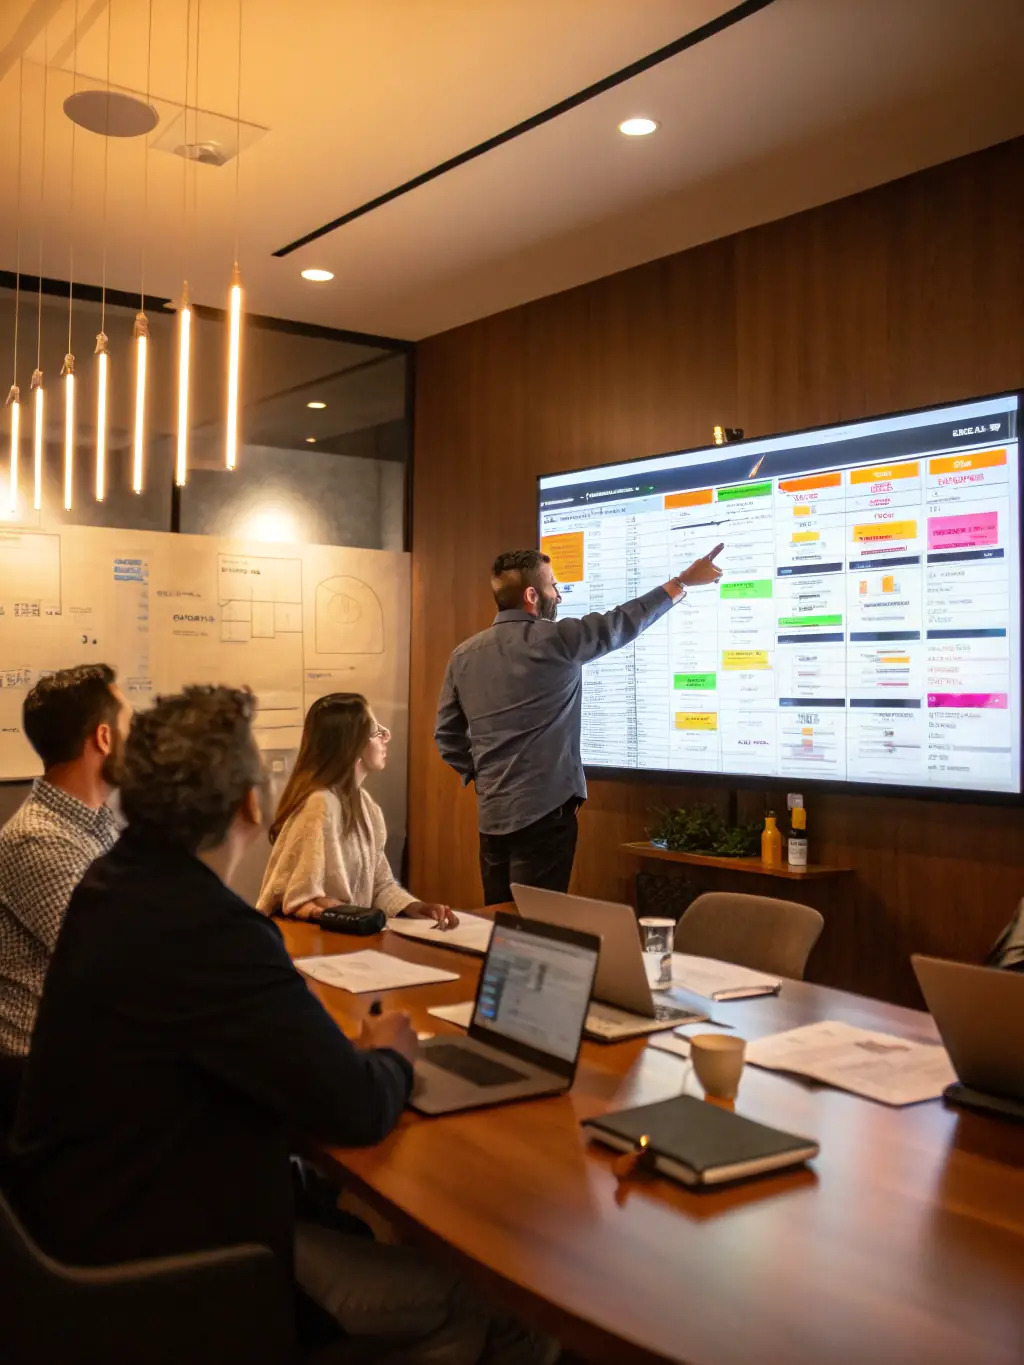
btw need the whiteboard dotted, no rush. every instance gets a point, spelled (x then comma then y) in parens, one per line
(292, 622)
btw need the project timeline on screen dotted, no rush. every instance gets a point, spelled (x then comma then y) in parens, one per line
(867, 624)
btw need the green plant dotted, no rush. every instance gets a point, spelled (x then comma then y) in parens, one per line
(700, 829)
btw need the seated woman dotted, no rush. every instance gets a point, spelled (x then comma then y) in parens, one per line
(328, 835)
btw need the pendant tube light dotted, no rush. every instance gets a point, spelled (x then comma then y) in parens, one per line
(184, 359)
(68, 375)
(102, 364)
(14, 408)
(140, 334)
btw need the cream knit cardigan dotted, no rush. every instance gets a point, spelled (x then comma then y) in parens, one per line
(312, 857)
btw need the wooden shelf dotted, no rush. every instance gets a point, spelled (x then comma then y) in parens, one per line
(813, 871)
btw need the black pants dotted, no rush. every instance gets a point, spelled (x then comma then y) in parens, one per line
(540, 855)
(12, 1069)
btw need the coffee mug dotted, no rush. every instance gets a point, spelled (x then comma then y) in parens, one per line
(717, 1060)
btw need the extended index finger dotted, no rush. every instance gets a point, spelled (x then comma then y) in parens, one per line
(717, 550)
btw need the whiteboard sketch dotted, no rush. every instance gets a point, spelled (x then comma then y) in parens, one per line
(349, 618)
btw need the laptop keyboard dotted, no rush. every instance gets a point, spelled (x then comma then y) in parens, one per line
(471, 1066)
(606, 1021)
(676, 1013)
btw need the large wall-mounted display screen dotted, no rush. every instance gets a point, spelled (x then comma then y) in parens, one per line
(866, 628)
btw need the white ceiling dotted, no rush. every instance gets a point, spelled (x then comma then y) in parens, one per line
(802, 103)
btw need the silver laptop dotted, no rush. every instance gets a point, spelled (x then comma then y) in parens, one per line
(524, 1037)
(979, 1012)
(624, 1004)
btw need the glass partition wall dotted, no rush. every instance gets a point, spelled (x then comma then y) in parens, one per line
(325, 438)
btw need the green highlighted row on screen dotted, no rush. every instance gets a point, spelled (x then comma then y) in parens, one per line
(745, 490)
(751, 587)
(695, 682)
(810, 620)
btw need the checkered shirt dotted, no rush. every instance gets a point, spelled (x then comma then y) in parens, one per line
(45, 849)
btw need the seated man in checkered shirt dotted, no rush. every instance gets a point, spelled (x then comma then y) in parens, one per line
(76, 720)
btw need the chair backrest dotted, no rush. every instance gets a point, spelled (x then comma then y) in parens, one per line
(759, 932)
(1008, 949)
(229, 1307)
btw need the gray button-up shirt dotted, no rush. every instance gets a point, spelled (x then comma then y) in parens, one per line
(509, 714)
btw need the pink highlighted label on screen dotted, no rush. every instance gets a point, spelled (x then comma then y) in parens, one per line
(974, 701)
(963, 531)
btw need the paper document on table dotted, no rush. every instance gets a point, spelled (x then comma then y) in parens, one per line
(678, 1042)
(473, 934)
(460, 1014)
(370, 971)
(878, 1066)
(671, 1042)
(716, 980)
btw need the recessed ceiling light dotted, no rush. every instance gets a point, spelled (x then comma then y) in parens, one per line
(638, 127)
(311, 440)
(316, 405)
(318, 276)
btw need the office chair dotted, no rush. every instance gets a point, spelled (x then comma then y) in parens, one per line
(227, 1307)
(759, 932)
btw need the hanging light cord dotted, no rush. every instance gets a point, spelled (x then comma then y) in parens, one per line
(106, 158)
(17, 250)
(42, 197)
(145, 163)
(238, 134)
(195, 134)
(186, 244)
(71, 196)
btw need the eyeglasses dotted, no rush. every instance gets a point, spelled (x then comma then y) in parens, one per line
(381, 732)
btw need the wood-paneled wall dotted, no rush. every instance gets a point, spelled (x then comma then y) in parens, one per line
(906, 295)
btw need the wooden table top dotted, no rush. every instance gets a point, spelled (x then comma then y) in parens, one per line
(903, 1244)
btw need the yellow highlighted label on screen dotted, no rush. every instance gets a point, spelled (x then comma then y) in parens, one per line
(566, 554)
(886, 473)
(800, 511)
(696, 720)
(803, 537)
(953, 464)
(886, 530)
(745, 658)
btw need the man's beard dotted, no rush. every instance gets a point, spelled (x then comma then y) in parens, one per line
(548, 609)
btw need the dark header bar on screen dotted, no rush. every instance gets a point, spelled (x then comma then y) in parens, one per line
(730, 474)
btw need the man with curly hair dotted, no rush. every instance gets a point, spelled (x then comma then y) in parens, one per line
(177, 1049)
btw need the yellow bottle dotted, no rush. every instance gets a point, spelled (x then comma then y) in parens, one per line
(771, 842)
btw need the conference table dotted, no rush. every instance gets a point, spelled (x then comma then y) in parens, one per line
(903, 1242)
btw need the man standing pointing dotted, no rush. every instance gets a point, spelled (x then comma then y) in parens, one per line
(509, 715)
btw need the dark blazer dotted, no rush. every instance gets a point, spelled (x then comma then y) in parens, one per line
(176, 1051)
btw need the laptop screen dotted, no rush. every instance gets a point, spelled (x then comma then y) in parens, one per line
(535, 991)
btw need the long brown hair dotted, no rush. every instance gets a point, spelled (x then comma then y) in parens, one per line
(337, 730)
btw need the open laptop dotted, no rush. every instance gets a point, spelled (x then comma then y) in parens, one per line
(524, 1036)
(979, 1012)
(624, 1004)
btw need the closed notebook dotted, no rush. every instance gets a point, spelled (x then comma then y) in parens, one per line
(700, 1144)
(715, 980)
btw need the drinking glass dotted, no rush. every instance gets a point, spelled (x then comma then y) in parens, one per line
(657, 936)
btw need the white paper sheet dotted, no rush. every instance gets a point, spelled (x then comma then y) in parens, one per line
(460, 1014)
(678, 1042)
(715, 980)
(878, 1066)
(671, 1042)
(370, 970)
(473, 934)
